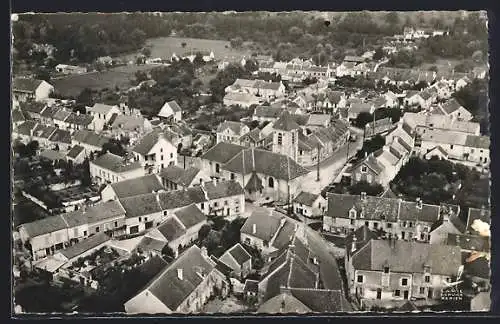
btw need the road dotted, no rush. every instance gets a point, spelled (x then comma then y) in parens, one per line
(330, 168)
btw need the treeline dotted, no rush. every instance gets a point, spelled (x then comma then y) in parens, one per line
(84, 37)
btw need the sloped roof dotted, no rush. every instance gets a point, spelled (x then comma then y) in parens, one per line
(267, 223)
(222, 152)
(45, 225)
(478, 141)
(268, 111)
(18, 115)
(408, 257)
(137, 186)
(223, 188)
(115, 163)
(239, 253)
(43, 131)
(75, 151)
(451, 105)
(26, 127)
(254, 184)
(190, 216)
(172, 291)
(140, 205)
(61, 114)
(90, 138)
(85, 245)
(469, 242)
(148, 141)
(283, 303)
(60, 136)
(178, 175)
(265, 162)
(52, 155)
(171, 229)
(25, 84)
(80, 119)
(181, 198)
(286, 122)
(236, 127)
(130, 123)
(100, 108)
(306, 198)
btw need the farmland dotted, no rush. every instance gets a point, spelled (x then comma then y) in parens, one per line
(120, 77)
(164, 47)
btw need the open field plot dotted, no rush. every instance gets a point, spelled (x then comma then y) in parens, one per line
(117, 77)
(164, 47)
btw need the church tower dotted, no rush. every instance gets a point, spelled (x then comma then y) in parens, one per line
(286, 136)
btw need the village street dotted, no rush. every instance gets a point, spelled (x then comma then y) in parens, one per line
(330, 168)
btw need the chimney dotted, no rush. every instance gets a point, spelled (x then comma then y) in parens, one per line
(214, 181)
(353, 244)
(204, 252)
(180, 274)
(366, 154)
(78, 112)
(363, 195)
(254, 228)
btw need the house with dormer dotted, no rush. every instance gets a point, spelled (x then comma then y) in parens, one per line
(407, 220)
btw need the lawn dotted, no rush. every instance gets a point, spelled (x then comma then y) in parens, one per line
(116, 77)
(164, 47)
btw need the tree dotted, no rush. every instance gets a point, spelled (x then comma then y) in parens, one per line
(379, 54)
(146, 51)
(85, 97)
(236, 42)
(183, 44)
(113, 146)
(251, 65)
(167, 252)
(371, 145)
(371, 189)
(362, 119)
(32, 148)
(392, 18)
(203, 232)
(140, 76)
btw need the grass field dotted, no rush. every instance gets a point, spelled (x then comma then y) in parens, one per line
(164, 47)
(117, 77)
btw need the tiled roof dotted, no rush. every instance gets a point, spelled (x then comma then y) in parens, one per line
(32, 107)
(306, 198)
(43, 131)
(100, 108)
(180, 176)
(286, 122)
(75, 151)
(137, 186)
(25, 84)
(175, 107)
(222, 152)
(284, 235)
(266, 221)
(52, 155)
(265, 162)
(268, 112)
(85, 245)
(90, 138)
(26, 127)
(80, 119)
(284, 303)
(171, 229)
(451, 105)
(18, 116)
(172, 291)
(408, 257)
(190, 216)
(322, 301)
(236, 127)
(115, 163)
(254, 184)
(151, 244)
(130, 123)
(478, 141)
(251, 286)
(61, 114)
(148, 141)
(378, 208)
(45, 225)
(140, 205)
(480, 268)
(181, 198)
(223, 188)
(239, 254)
(60, 136)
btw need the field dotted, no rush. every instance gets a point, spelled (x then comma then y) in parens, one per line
(117, 77)
(164, 47)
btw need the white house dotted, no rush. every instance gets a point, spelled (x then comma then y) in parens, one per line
(70, 69)
(171, 109)
(230, 131)
(155, 151)
(309, 206)
(453, 109)
(24, 89)
(109, 168)
(102, 115)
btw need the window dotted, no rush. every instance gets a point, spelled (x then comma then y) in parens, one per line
(280, 139)
(367, 223)
(375, 225)
(352, 221)
(427, 279)
(216, 204)
(410, 224)
(360, 279)
(161, 150)
(386, 269)
(236, 201)
(389, 225)
(422, 290)
(171, 155)
(225, 202)
(293, 138)
(271, 182)
(217, 167)
(161, 157)
(451, 146)
(145, 219)
(202, 206)
(84, 233)
(364, 169)
(97, 229)
(165, 213)
(140, 219)
(397, 293)
(134, 229)
(232, 176)
(116, 224)
(404, 282)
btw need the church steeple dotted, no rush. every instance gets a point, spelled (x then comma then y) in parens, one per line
(286, 136)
